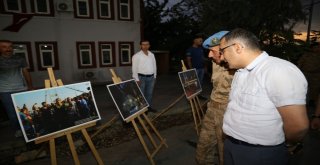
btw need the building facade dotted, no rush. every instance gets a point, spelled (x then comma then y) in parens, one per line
(80, 39)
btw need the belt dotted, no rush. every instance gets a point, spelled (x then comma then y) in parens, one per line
(239, 142)
(145, 75)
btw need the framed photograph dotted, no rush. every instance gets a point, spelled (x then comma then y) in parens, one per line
(128, 98)
(190, 82)
(48, 111)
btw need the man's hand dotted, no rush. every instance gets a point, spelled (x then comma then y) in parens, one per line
(315, 123)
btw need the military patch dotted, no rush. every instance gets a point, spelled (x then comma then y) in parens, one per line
(215, 41)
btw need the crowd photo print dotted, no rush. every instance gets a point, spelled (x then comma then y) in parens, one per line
(47, 111)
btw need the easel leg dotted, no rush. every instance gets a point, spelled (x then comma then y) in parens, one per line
(194, 115)
(155, 130)
(148, 132)
(197, 108)
(142, 142)
(93, 149)
(53, 152)
(200, 107)
(73, 149)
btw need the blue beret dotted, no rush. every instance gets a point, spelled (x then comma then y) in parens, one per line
(214, 40)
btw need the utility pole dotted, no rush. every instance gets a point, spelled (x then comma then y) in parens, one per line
(309, 23)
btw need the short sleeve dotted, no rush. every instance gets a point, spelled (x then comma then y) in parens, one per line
(188, 52)
(286, 85)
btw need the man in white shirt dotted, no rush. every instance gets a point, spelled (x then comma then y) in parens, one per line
(144, 71)
(266, 103)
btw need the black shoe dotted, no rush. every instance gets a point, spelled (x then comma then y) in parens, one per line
(152, 110)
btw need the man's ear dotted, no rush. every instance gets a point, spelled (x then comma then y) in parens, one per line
(239, 47)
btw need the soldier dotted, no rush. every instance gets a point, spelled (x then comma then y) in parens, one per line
(211, 135)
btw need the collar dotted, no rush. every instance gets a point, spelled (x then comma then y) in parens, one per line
(142, 52)
(257, 61)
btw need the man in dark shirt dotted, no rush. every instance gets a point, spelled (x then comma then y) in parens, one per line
(195, 57)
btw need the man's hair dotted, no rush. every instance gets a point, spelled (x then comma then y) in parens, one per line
(144, 40)
(198, 35)
(246, 37)
(6, 41)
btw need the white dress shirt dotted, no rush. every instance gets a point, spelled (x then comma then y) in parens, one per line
(143, 64)
(256, 92)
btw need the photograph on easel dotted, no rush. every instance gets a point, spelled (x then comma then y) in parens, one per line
(48, 111)
(128, 98)
(190, 82)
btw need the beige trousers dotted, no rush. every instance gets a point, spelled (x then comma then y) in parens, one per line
(211, 136)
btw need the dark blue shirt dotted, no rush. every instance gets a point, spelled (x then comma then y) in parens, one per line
(197, 57)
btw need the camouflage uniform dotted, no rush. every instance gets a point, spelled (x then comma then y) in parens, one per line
(211, 135)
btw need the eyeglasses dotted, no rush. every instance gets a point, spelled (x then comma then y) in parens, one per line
(221, 50)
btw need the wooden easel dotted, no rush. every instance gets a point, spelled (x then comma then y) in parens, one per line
(68, 133)
(196, 108)
(140, 115)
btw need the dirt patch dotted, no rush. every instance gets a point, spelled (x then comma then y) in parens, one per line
(116, 134)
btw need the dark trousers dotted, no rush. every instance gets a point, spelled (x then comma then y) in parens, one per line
(200, 73)
(240, 154)
(10, 109)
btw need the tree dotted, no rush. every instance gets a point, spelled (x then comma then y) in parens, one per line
(170, 27)
(271, 20)
(153, 13)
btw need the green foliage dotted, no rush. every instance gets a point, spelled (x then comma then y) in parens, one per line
(271, 20)
(170, 27)
(153, 13)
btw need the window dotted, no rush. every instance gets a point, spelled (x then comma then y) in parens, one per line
(107, 54)
(24, 49)
(42, 7)
(13, 6)
(84, 9)
(125, 53)
(86, 55)
(47, 55)
(105, 9)
(125, 10)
